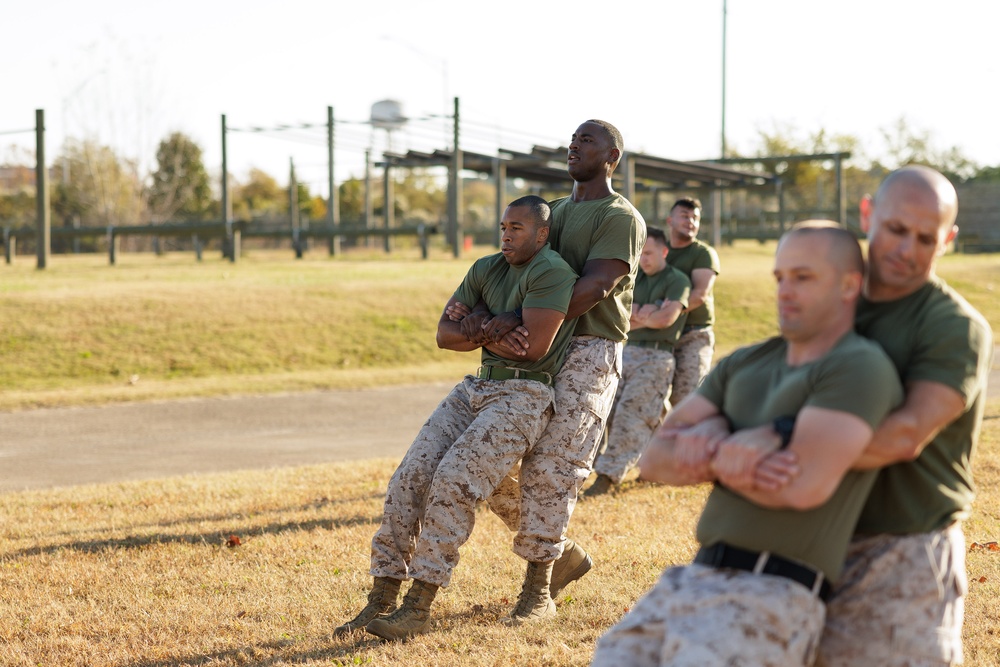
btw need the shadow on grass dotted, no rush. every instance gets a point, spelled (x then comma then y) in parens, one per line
(281, 655)
(209, 538)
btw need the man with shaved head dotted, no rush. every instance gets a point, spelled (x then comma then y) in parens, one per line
(755, 593)
(900, 601)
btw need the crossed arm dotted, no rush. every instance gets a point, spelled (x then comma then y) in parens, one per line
(544, 322)
(694, 445)
(652, 316)
(506, 332)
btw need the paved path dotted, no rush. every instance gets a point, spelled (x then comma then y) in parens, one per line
(68, 446)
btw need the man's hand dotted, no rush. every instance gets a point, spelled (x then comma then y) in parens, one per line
(737, 456)
(470, 321)
(696, 446)
(506, 331)
(457, 311)
(776, 471)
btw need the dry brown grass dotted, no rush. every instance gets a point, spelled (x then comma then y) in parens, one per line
(140, 573)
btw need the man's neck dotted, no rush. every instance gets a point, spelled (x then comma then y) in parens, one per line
(880, 293)
(806, 351)
(591, 190)
(680, 241)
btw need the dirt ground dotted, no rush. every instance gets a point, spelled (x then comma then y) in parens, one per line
(70, 446)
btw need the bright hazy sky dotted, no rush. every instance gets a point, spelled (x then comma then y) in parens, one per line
(129, 72)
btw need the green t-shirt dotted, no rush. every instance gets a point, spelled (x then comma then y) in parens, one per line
(753, 386)
(931, 335)
(698, 255)
(544, 282)
(666, 285)
(609, 228)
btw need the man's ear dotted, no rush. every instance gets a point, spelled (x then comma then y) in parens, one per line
(543, 234)
(865, 210)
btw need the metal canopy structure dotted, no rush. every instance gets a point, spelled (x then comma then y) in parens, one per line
(547, 166)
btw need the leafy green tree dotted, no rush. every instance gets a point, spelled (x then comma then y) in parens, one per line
(180, 186)
(259, 197)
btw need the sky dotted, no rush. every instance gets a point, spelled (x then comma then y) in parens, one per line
(128, 73)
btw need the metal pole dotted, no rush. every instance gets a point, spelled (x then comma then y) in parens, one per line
(387, 204)
(293, 209)
(368, 195)
(43, 237)
(455, 191)
(333, 201)
(227, 214)
(841, 193)
(500, 171)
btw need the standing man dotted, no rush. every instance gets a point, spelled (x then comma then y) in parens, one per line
(470, 441)
(754, 593)
(902, 595)
(600, 234)
(642, 401)
(700, 263)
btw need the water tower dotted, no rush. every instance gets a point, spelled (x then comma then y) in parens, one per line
(388, 115)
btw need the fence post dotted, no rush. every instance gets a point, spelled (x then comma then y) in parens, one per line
(9, 245)
(422, 235)
(196, 242)
(112, 245)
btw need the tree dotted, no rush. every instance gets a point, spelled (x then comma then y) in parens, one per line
(259, 197)
(101, 188)
(180, 186)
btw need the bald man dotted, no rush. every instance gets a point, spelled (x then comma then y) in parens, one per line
(754, 593)
(900, 601)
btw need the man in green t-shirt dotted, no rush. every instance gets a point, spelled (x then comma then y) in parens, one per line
(901, 598)
(754, 593)
(600, 234)
(470, 442)
(642, 400)
(700, 263)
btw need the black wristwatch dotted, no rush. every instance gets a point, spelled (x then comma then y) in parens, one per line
(517, 311)
(784, 426)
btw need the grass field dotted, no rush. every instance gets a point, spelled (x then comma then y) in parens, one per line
(146, 574)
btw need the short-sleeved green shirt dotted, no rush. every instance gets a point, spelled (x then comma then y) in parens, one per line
(931, 335)
(544, 282)
(754, 386)
(666, 285)
(608, 228)
(698, 255)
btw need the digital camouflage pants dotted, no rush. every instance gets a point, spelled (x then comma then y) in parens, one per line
(693, 355)
(641, 403)
(697, 615)
(899, 602)
(473, 438)
(537, 501)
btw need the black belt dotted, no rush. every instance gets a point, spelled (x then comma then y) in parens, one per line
(721, 554)
(505, 373)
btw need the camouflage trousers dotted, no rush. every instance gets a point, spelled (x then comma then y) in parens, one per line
(693, 353)
(538, 499)
(641, 403)
(899, 603)
(697, 615)
(472, 439)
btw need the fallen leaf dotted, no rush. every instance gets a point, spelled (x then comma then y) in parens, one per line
(233, 541)
(982, 580)
(241, 614)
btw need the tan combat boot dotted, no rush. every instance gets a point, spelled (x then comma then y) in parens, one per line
(413, 616)
(573, 564)
(381, 601)
(534, 603)
(602, 485)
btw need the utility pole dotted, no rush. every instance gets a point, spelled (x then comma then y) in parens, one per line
(333, 201)
(455, 190)
(43, 235)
